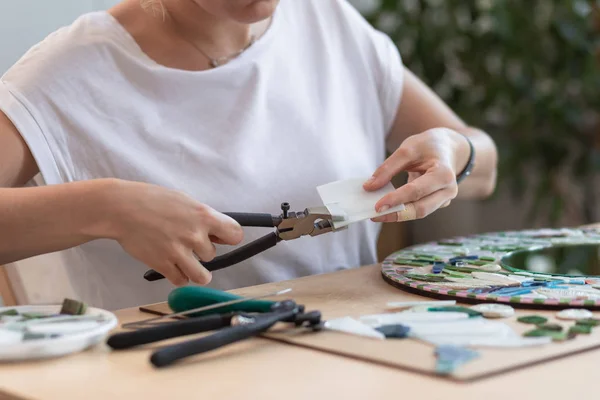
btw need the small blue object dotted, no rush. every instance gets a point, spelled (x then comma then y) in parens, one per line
(512, 291)
(534, 284)
(458, 263)
(478, 290)
(516, 291)
(521, 292)
(496, 289)
(394, 331)
(490, 289)
(451, 357)
(461, 258)
(555, 284)
(438, 267)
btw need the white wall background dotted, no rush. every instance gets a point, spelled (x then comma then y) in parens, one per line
(23, 23)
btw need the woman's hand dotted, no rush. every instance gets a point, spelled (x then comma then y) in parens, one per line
(164, 229)
(432, 159)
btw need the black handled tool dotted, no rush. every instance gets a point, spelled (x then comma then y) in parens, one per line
(125, 340)
(236, 327)
(289, 225)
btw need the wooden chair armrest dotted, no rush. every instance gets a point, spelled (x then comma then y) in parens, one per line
(6, 290)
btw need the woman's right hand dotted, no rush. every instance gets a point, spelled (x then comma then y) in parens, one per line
(163, 228)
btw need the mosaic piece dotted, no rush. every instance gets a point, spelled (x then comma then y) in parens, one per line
(494, 310)
(395, 331)
(471, 269)
(533, 319)
(580, 329)
(574, 314)
(409, 304)
(557, 336)
(551, 327)
(449, 358)
(351, 326)
(588, 322)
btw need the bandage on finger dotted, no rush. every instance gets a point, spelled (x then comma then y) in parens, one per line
(408, 214)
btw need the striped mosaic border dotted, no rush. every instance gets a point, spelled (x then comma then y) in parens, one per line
(395, 273)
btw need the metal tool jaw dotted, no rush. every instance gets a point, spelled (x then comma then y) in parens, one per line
(298, 316)
(313, 221)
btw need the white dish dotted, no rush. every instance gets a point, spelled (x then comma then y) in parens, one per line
(60, 346)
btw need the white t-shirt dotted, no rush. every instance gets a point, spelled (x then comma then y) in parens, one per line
(309, 103)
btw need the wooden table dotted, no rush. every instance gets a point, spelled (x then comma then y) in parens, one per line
(265, 369)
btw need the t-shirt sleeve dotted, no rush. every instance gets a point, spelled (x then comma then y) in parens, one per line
(383, 57)
(13, 106)
(32, 95)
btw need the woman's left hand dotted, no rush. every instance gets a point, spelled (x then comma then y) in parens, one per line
(432, 159)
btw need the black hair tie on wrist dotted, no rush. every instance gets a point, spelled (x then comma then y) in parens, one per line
(470, 164)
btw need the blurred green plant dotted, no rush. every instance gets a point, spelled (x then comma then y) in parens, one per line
(525, 71)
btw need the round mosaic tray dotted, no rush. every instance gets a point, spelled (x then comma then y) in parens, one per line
(474, 269)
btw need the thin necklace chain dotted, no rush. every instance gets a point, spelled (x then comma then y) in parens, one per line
(215, 62)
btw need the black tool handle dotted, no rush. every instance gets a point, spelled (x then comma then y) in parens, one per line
(171, 354)
(125, 340)
(255, 219)
(233, 257)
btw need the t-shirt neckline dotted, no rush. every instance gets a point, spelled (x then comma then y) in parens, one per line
(249, 54)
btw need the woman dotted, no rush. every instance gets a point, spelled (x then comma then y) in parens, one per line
(149, 120)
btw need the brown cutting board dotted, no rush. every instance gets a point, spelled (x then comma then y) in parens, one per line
(363, 291)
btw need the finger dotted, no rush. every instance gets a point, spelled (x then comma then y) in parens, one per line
(191, 267)
(215, 239)
(429, 204)
(172, 273)
(397, 162)
(419, 209)
(391, 217)
(225, 230)
(205, 250)
(412, 176)
(431, 182)
(408, 214)
(446, 204)
(424, 207)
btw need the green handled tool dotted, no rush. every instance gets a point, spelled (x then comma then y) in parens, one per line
(226, 328)
(194, 297)
(195, 301)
